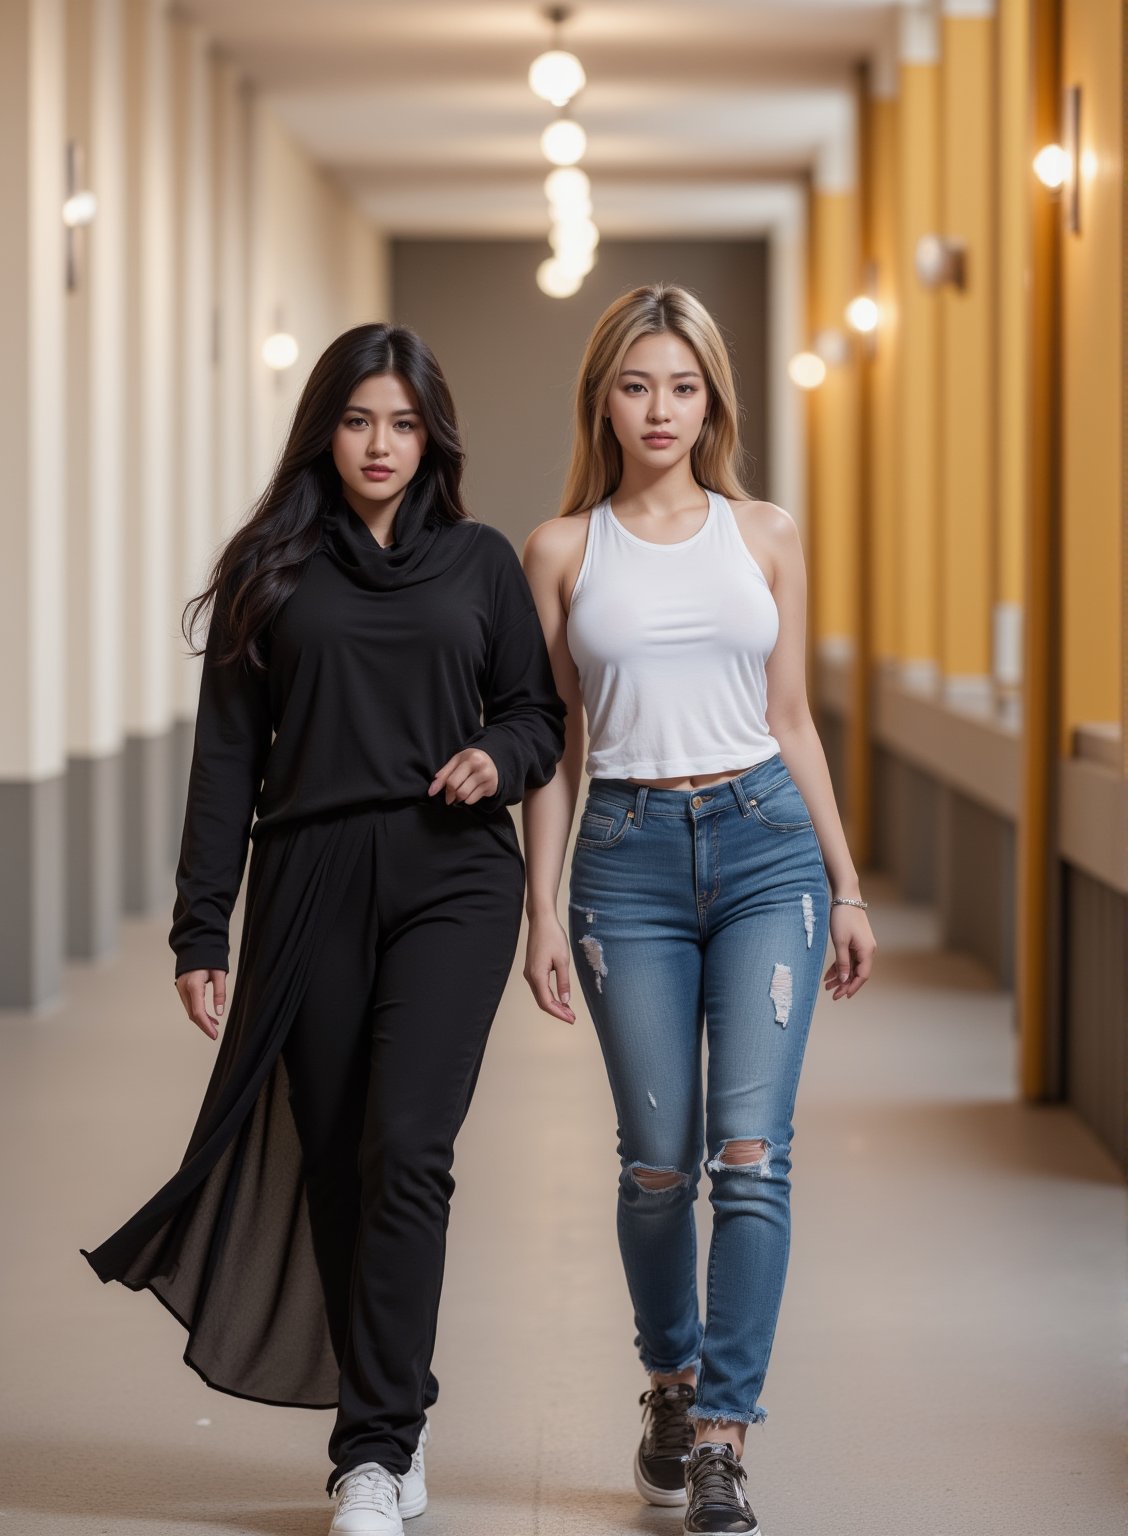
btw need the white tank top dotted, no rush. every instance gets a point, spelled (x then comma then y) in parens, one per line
(670, 642)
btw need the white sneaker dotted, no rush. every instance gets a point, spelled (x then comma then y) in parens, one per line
(367, 1503)
(413, 1489)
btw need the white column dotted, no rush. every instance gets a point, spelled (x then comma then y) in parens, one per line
(33, 450)
(96, 426)
(152, 470)
(229, 151)
(194, 525)
(274, 299)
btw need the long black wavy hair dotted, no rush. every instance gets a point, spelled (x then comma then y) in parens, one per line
(261, 564)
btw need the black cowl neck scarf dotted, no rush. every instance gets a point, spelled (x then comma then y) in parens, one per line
(422, 549)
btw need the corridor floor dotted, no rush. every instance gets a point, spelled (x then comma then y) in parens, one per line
(949, 1359)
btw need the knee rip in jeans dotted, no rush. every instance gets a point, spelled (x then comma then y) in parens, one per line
(656, 1181)
(593, 953)
(752, 1155)
(780, 993)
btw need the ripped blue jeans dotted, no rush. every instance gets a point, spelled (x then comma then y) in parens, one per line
(702, 913)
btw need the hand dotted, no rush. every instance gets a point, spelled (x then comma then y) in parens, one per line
(546, 955)
(468, 776)
(854, 947)
(190, 985)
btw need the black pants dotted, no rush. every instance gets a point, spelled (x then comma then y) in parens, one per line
(382, 1059)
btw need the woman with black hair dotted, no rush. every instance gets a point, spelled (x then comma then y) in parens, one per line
(376, 689)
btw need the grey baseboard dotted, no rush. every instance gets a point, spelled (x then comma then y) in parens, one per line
(905, 819)
(148, 868)
(95, 813)
(1095, 1006)
(183, 737)
(976, 894)
(32, 910)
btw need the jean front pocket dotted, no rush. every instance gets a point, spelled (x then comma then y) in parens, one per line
(603, 825)
(781, 806)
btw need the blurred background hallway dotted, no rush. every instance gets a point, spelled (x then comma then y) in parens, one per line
(909, 219)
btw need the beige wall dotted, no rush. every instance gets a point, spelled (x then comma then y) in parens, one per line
(317, 267)
(511, 354)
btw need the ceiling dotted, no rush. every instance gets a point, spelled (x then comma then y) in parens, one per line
(697, 111)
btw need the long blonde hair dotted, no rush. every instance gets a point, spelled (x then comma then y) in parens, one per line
(597, 459)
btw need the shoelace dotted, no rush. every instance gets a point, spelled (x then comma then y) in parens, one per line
(373, 1489)
(716, 1479)
(671, 1429)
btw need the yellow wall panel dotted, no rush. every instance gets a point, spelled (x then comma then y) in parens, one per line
(884, 416)
(967, 350)
(1092, 377)
(918, 466)
(1016, 185)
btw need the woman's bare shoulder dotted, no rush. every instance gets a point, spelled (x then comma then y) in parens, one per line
(770, 535)
(765, 518)
(558, 538)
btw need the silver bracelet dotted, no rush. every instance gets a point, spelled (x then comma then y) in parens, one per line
(848, 901)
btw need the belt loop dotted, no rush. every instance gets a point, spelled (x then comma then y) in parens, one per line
(740, 797)
(640, 805)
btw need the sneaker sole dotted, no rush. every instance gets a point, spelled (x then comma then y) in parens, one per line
(408, 1511)
(665, 1498)
(755, 1531)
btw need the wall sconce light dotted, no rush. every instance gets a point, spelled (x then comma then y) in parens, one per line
(280, 351)
(557, 75)
(939, 261)
(1059, 167)
(807, 370)
(1051, 166)
(1071, 145)
(862, 314)
(79, 209)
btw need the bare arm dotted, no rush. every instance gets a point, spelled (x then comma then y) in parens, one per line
(790, 722)
(547, 812)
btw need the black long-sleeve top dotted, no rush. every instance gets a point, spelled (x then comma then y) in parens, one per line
(382, 664)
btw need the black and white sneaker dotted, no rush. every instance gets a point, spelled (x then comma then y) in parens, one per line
(714, 1482)
(667, 1439)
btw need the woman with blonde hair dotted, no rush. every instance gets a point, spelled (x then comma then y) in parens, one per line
(709, 866)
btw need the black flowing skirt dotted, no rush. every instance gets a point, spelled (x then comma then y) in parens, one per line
(226, 1244)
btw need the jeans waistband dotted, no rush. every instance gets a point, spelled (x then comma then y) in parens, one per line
(691, 803)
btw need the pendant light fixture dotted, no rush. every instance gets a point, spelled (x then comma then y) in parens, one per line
(563, 142)
(557, 76)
